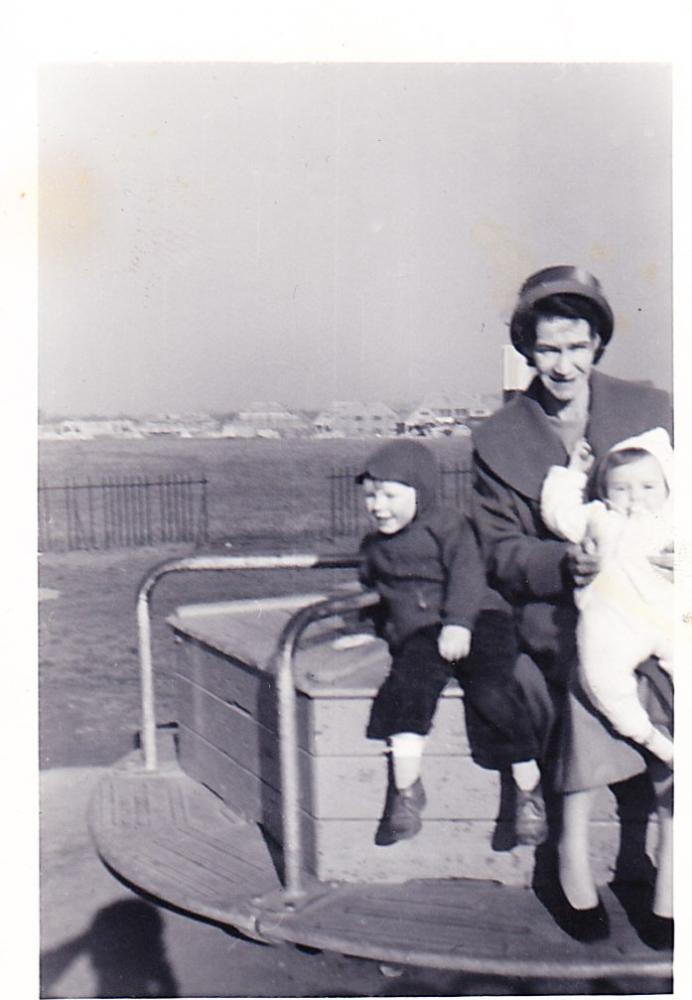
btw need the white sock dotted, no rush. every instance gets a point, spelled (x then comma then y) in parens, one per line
(526, 774)
(407, 755)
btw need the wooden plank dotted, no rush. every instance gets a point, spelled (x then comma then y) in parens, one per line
(247, 630)
(241, 790)
(324, 672)
(344, 850)
(330, 725)
(338, 726)
(182, 846)
(355, 788)
(467, 925)
(232, 680)
(227, 726)
(186, 848)
(349, 787)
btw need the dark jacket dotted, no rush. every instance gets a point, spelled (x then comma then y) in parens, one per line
(513, 451)
(429, 573)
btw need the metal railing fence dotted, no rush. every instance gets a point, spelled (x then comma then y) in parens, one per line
(138, 511)
(122, 513)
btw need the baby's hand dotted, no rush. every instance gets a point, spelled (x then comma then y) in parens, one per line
(664, 562)
(454, 642)
(581, 459)
(352, 641)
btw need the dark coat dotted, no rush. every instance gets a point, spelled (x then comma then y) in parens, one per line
(513, 451)
(429, 573)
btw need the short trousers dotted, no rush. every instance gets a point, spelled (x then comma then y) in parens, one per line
(505, 722)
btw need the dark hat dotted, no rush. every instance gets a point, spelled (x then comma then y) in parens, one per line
(559, 280)
(405, 461)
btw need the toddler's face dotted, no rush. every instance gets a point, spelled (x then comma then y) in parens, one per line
(391, 505)
(636, 487)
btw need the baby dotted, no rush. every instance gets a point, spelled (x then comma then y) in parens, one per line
(423, 560)
(626, 611)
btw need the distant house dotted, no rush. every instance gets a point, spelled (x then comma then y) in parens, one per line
(266, 419)
(439, 414)
(235, 429)
(199, 425)
(164, 425)
(436, 413)
(185, 425)
(355, 419)
(86, 429)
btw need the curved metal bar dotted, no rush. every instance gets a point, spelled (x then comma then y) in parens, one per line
(208, 563)
(288, 736)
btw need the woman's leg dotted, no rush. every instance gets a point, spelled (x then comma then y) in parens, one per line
(575, 874)
(663, 891)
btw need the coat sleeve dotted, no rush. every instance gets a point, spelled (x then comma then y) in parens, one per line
(367, 620)
(520, 565)
(465, 578)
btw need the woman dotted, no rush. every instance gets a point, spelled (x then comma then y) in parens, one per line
(562, 325)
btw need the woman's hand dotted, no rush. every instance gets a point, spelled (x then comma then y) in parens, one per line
(454, 642)
(583, 562)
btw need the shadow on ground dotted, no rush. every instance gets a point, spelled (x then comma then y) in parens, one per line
(126, 949)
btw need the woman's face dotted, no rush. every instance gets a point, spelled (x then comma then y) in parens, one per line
(563, 355)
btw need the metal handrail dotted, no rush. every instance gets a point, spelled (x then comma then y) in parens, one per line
(288, 737)
(309, 560)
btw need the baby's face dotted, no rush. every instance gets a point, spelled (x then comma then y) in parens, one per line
(636, 487)
(391, 505)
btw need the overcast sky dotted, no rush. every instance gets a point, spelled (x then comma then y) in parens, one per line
(213, 234)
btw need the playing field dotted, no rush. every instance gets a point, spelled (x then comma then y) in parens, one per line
(256, 489)
(271, 494)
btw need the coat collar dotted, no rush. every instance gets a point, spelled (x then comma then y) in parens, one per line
(519, 445)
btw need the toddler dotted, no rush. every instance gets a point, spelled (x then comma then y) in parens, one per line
(424, 561)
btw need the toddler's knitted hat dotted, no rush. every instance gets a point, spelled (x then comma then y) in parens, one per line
(408, 462)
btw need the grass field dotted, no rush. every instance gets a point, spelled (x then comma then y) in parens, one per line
(270, 491)
(257, 488)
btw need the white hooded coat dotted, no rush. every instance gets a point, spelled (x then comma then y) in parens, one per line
(627, 610)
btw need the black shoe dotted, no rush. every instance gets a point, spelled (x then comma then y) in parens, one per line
(401, 819)
(658, 932)
(530, 821)
(588, 925)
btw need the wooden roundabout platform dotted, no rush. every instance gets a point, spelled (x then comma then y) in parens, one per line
(258, 810)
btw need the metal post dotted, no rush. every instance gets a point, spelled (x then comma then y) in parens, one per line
(208, 563)
(288, 734)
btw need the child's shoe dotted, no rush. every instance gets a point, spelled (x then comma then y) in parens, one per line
(401, 819)
(530, 821)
